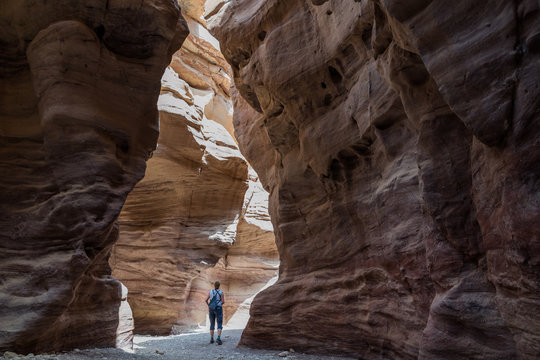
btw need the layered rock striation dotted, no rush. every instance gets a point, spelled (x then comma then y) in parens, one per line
(79, 82)
(247, 267)
(196, 216)
(182, 217)
(399, 144)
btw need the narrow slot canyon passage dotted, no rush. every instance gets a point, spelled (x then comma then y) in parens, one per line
(362, 177)
(200, 213)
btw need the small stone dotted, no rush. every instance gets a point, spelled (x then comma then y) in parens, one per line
(10, 355)
(283, 354)
(76, 350)
(291, 350)
(159, 352)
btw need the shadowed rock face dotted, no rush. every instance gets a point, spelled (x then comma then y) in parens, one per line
(196, 216)
(79, 83)
(399, 143)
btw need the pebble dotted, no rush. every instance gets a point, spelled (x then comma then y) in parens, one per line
(11, 355)
(185, 346)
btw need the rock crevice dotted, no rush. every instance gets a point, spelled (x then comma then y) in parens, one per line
(199, 214)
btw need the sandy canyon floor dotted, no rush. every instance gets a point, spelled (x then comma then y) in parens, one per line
(186, 346)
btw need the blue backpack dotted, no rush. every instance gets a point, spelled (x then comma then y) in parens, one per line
(214, 300)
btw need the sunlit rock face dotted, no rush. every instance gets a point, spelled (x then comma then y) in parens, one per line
(79, 83)
(182, 217)
(197, 216)
(250, 263)
(399, 144)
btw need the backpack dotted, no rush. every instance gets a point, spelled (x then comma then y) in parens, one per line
(214, 300)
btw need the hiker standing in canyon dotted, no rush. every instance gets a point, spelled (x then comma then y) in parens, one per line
(215, 301)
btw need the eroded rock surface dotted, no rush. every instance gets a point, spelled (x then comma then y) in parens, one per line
(79, 82)
(196, 216)
(250, 263)
(399, 143)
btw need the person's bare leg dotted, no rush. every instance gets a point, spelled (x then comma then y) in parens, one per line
(212, 333)
(219, 332)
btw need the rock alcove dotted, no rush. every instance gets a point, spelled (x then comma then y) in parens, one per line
(398, 142)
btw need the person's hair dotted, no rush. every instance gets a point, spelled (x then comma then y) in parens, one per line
(216, 284)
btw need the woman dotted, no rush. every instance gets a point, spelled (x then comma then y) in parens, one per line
(215, 301)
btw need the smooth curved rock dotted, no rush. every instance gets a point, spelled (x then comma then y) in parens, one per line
(78, 121)
(398, 141)
(249, 265)
(182, 217)
(196, 216)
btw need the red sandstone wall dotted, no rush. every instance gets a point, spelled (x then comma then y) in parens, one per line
(197, 216)
(399, 144)
(79, 82)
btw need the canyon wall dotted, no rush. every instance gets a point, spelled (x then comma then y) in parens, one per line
(196, 216)
(249, 265)
(399, 143)
(79, 82)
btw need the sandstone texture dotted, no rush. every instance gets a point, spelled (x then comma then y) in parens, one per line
(399, 143)
(249, 265)
(197, 215)
(79, 82)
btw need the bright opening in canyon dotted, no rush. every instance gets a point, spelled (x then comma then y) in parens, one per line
(200, 213)
(362, 176)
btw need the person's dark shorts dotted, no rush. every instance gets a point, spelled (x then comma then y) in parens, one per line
(214, 314)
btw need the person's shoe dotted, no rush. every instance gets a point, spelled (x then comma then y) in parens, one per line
(219, 342)
(211, 340)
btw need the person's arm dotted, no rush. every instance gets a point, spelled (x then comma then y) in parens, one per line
(207, 298)
(222, 298)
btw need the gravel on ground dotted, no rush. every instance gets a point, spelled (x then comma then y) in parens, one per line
(185, 346)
